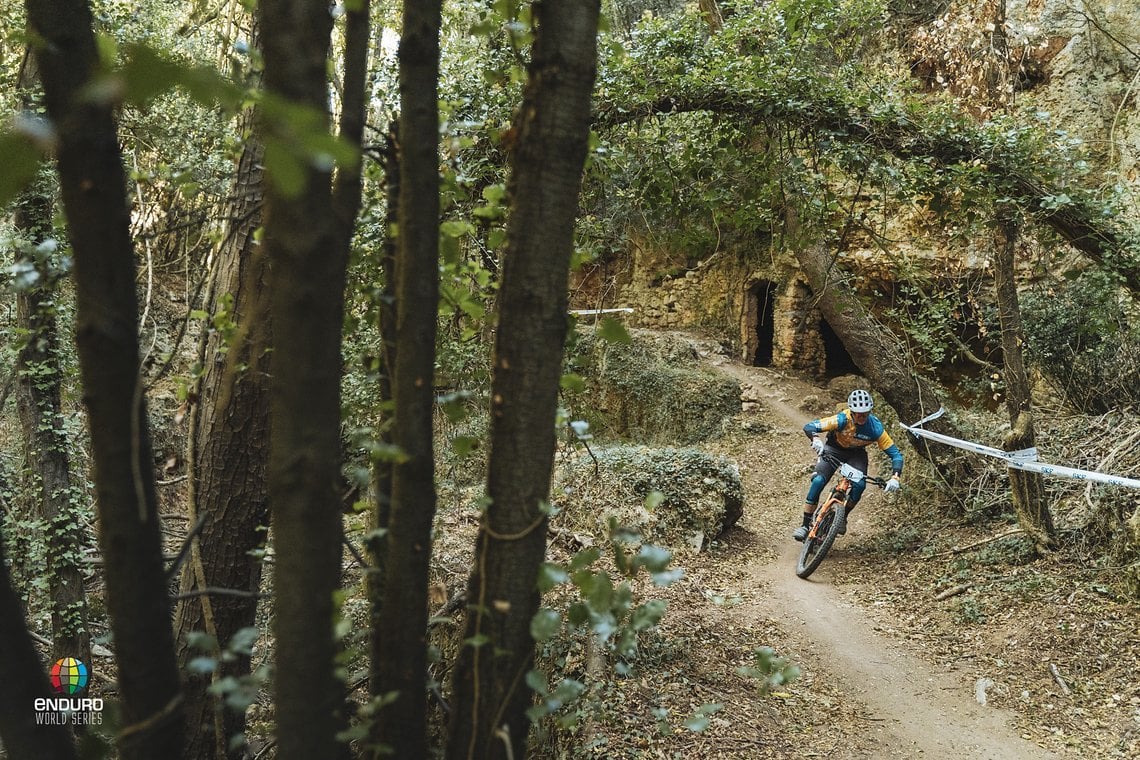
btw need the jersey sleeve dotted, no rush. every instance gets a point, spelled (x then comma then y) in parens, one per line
(891, 449)
(824, 424)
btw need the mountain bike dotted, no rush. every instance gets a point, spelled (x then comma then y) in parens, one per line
(825, 522)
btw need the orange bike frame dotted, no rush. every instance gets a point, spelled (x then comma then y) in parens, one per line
(838, 496)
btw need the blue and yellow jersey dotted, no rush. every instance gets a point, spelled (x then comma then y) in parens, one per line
(842, 432)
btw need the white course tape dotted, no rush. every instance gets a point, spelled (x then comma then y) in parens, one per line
(1025, 459)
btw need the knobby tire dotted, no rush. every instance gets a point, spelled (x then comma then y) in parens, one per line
(815, 549)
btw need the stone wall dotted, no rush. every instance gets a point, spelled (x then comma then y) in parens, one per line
(763, 311)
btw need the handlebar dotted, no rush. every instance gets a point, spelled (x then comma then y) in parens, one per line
(840, 464)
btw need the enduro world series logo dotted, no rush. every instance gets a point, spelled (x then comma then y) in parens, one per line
(69, 678)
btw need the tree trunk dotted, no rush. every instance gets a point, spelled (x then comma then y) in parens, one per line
(94, 199)
(24, 681)
(228, 458)
(38, 398)
(490, 694)
(1026, 488)
(307, 278)
(710, 11)
(403, 625)
(382, 467)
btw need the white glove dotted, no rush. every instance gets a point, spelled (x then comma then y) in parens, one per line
(892, 484)
(817, 445)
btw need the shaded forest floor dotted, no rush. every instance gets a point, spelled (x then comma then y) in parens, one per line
(889, 668)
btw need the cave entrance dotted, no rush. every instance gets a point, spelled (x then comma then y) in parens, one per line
(836, 360)
(760, 331)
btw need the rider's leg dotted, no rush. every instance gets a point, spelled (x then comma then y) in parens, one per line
(801, 532)
(823, 473)
(858, 460)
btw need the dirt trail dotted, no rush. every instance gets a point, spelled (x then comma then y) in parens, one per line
(909, 707)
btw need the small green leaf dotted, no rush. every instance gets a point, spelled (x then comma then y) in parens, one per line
(614, 331)
(647, 615)
(551, 575)
(496, 238)
(463, 445)
(456, 228)
(653, 558)
(545, 624)
(536, 680)
(202, 665)
(699, 720)
(477, 640)
(572, 382)
(577, 614)
(283, 168)
(494, 193)
(20, 156)
(242, 641)
(583, 558)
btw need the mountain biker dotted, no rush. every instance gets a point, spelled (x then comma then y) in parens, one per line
(848, 435)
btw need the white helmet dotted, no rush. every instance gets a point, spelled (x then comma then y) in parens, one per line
(860, 401)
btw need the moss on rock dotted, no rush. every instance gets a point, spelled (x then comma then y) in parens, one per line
(702, 494)
(654, 389)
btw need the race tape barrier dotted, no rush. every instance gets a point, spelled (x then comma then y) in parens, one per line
(1025, 459)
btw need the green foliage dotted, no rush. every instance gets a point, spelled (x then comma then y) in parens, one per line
(967, 611)
(1081, 336)
(236, 693)
(606, 612)
(651, 388)
(22, 147)
(146, 73)
(769, 670)
(711, 138)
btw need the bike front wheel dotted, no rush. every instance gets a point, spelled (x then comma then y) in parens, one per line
(825, 527)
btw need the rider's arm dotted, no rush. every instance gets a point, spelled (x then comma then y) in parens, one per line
(823, 425)
(892, 450)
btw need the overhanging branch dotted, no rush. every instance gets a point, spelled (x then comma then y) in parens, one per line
(895, 133)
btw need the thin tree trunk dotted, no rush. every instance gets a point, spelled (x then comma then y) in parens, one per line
(710, 11)
(24, 681)
(382, 467)
(307, 278)
(94, 199)
(403, 625)
(1026, 488)
(229, 455)
(39, 400)
(490, 692)
(38, 397)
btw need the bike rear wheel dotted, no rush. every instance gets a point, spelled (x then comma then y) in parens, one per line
(826, 527)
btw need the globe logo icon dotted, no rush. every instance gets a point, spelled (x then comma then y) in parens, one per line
(69, 676)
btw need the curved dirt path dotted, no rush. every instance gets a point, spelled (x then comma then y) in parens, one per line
(911, 709)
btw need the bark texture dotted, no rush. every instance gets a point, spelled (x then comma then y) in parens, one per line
(94, 199)
(307, 277)
(229, 456)
(403, 625)
(382, 468)
(490, 693)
